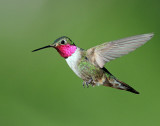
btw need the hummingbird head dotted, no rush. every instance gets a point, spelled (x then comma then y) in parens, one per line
(63, 45)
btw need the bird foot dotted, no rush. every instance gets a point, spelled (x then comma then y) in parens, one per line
(87, 83)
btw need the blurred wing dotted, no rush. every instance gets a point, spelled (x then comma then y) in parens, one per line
(106, 52)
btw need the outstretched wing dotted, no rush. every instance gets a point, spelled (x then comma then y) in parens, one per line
(106, 52)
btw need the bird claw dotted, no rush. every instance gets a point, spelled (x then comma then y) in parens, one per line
(87, 83)
(83, 84)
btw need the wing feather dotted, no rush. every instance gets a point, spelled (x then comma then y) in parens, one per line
(101, 54)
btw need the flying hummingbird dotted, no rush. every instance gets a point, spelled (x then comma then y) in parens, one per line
(89, 64)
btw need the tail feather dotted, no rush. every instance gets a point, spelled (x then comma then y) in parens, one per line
(127, 87)
(115, 83)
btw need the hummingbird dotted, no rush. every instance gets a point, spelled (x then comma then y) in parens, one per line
(89, 64)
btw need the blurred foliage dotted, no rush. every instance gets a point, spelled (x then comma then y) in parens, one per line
(39, 89)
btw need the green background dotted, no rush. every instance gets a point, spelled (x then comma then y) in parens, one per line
(39, 89)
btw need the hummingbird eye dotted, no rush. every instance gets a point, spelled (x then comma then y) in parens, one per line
(62, 42)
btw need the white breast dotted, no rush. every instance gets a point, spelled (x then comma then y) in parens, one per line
(73, 60)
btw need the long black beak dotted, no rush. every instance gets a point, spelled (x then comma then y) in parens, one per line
(42, 48)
